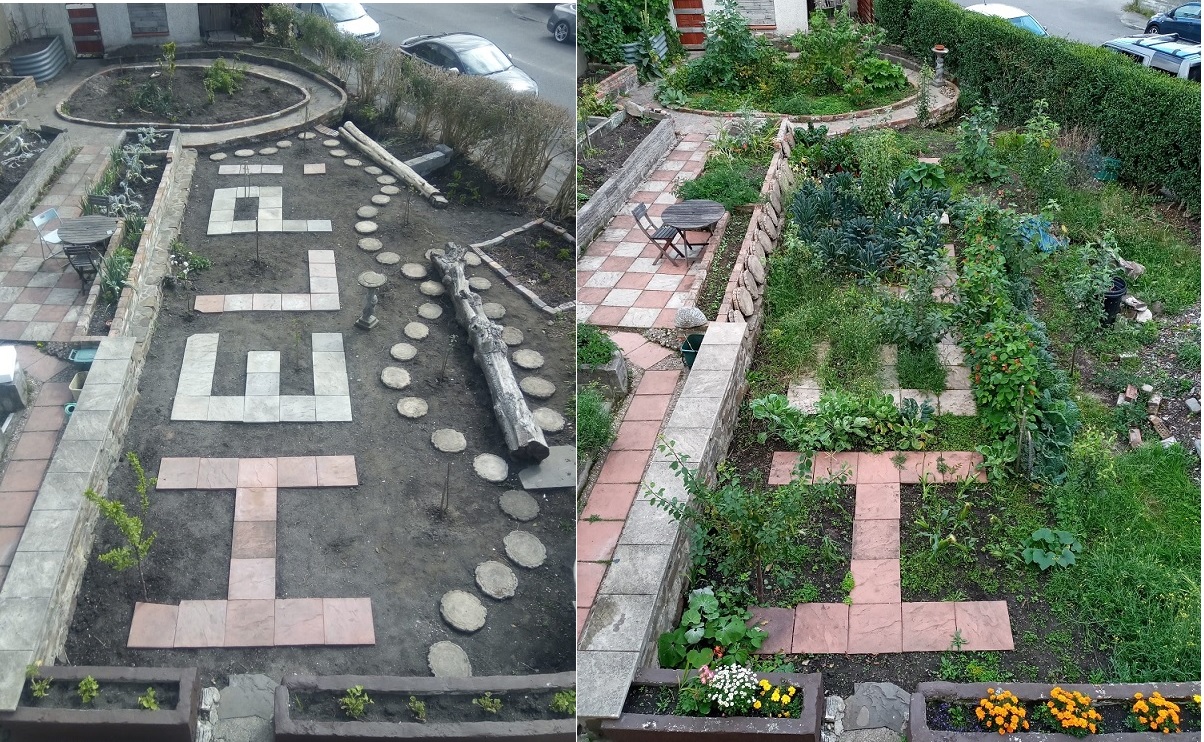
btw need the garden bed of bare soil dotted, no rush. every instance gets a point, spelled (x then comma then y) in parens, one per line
(710, 296)
(440, 707)
(609, 150)
(113, 95)
(541, 260)
(12, 175)
(112, 696)
(385, 538)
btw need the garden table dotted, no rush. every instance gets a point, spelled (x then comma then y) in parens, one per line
(87, 230)
(698, 213)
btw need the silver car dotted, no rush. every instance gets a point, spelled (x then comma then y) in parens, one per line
(350, 18)
(1163, 52)
(469, 54)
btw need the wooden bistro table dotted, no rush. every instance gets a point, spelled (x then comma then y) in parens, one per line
(87, 230)
(697, 214)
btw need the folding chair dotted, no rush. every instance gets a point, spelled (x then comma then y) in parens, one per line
(84, 260)
(662, 236)
(52, 238)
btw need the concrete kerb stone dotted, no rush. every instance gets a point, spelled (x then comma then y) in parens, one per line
(636, 570)
(602, 681)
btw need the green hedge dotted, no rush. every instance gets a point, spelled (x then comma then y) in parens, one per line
(1148, 120)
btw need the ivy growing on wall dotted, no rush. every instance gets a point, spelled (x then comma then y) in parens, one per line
(606, 25)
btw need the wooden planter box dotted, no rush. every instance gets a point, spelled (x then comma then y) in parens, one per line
(291, 730)
(656, 727)
(36, 724)
(970, 693)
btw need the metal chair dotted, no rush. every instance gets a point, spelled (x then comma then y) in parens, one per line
(52, 237)
(662, 236)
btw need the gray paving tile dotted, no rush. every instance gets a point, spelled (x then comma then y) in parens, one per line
(88, 425)
(12, 677)
(636, 570)
(602, 682)
(263, 361)
(190, 408)
(59, 296)
(296, 409)
(261, 409)
(22, 621)
(618, 623)
(332, 409)
(75, 456)
(61, 491)
(48, 530)
(33, 574)
(263, 385)
(225, 409)
(39, 331)
(327, 341)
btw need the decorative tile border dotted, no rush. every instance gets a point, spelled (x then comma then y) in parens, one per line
(250, 169)
(269, 217)
(323, 293)
(531, 295)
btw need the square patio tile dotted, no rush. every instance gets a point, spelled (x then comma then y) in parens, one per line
(650, 407)
(186, 407)
(596, 540)
(958, 465)
(35, 445)
(237, 302)
(778, 623)
(624, 467)
(217, 474)
(211, 303)
(875, 628)
(875, 539)
(252, 579)
(820, 628)
(984, 625)
(314, 168)
(324, 302)
(178, 473)
(299, 623)
(876, 468)
(336, 471)
(610, 501)
(348, 621)
(781, 467)
(250, 623)
(875, 581)
(255, 504)
(201, 623)
(257, 472)
(928, 627)
(225, 409)
(295, 302)
(636, 435)
(254, 539)
(877, 502)
(913, 467)
(658, 382)
(332, 409)
(830, 465)
(15, 508)
(296, 471)
(153, 626)
(46, 418)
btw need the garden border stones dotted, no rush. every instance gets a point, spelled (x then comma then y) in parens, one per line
(478, 248)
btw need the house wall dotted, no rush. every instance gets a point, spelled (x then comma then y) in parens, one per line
(183, 23)
(34, 20)
(784, 16)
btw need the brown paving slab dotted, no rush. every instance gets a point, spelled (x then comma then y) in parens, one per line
(628, 342)
(820, 628)
(299, 623)
(653, 300)
(250, 623)
(46, 418)
(217, 474)
(252, 579)
(636, 435)
(178, 473)
(827, 465)
(348, 621)
(254, 540)
(928, 627)
(15, 507)
(650, 407)
(210, 304)
(622, 467)
(596, 540)
(984, 625)
(589, 577)
(51, 313)
(255, 503)
(582, 617)
(963, 463)
(336, 471)
(778, 623)
(875, 581)
(9, 538)
(876, 628)
(602, 316)
(658, 382)
(55, 394)
(781, 468)
(153, 626)
(616, 264)
(296, 471)
(649, 355)
(875, 539)
(257, 472)
(913, 467)
(876, 468)
(201, 623)
(23, 476)
(610, 501)
(877, 502)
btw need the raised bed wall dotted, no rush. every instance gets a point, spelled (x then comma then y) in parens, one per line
(21, 199)
(620, 82)
(20, 92)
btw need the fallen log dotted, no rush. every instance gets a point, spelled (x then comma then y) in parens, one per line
(364, 143)
(524, 438)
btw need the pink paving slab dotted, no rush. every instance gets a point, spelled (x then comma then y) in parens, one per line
(299, 622)
(877, 502)
(778, 624)
(984, 625)
(875, 581)
(348, 621)
(596, 540)
(250, 623)
(928, 627)
(876, 628)
(821, 628)
(201, 623)
(876, 539)
(153, 626)
(781, 468)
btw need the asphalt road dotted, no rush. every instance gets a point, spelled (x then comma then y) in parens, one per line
(519, 29)
(1089, 21)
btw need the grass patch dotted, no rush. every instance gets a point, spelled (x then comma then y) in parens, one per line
(920, 368)
(594, 347)
(595, 421)
(854, 356)
(732, 182)
(958, 433)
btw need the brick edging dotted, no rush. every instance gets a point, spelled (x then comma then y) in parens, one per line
(530, 295)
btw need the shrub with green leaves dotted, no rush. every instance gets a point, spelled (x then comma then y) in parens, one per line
(595, 421)
(136, 546)
(225, 78)
(594, 347)
(1049, 548)
(704, 626)
(842, 422)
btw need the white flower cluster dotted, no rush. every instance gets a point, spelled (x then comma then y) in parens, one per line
(733, 688)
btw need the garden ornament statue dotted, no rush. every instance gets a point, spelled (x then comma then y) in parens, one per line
(370, 280)
(938, 75)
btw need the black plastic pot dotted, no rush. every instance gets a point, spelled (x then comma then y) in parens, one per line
(1113, 298)
(689, 349)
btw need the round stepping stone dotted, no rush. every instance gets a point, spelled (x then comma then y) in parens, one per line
(338, 153)
(243, 152)
(390, 190)
(283, 144)
(524, 549)
(367, 212)
(380, 199)
(365, 227)
(268, 151)
(490, 468)
(477, 283)
(388, 258)
(431, 288)
(430, 311)
(395, 378)
(352, 162)
(411, 407)
(448, 660)
(386, 179)
(403, 352)
(413, 270)
(527, 359)
(512, 336)
(535, 386)
(471, 258)
(307, 135)
(519, 505)
(496, 580)
(448, 440)
(463, 611)
(417, 331)
(218, 156)
(373, 170)
(330, 142)
(548, 420)
(493, 310)
(370, 244)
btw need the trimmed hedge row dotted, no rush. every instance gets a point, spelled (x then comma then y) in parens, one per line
(1148, 120)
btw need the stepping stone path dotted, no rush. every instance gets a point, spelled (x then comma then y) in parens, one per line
(412, 407)
(388, 258)
(431, 288)
(244, 152)
(217, 156)
(524, 549)
(448, 440)
(476, 283)
(330, 142)
(416, 330)
(352, 162)
(338, 153)
(268, 151)
(373, 170)
(403, 352)
(447, 660)
(493, 310)
(370, 244)
(490, 468)
(430, 311)
(463, 611)
(365, 227)
(548, 420)
(283, 144)
(390, 190)
(496, 580)
(307, 135)
(512, 336)
(538, 387)
(519, 505)
(386, 179)
(367, 212)
(380, 199)
(415, 271)
(471, 258)
(395, 378)
(527, 359)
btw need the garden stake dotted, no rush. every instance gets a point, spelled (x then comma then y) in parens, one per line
(451, 341)
(446, 484)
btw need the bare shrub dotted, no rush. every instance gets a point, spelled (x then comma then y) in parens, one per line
(465, 110)
(534, 133)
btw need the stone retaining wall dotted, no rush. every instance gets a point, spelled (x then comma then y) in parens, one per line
(16, 95)
(620, 82)
(21, 199)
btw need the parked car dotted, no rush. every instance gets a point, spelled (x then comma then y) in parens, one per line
(1015, 16)
(470, 54)
(350, 18)
(1183, 20)
(562, 24)
(1163, 52)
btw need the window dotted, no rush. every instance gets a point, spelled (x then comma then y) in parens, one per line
(148, 19)
(1188, 12)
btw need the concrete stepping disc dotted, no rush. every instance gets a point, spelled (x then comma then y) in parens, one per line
(365, 227)
(416, 331)
(352, 162)
(527, 359)
(403, 352)
(519, 505)
(493, 310)
(448, 440)
(448, 660)
(524, 549)
(389, 190)
(243, 152)
(496, 580)
(471, 258)
(381, 199)
(430, 311)
(307, 135)
(413, 270)
(269, 151)
(463, 611)
(338, 153)
(431, 288)
(370, 244)
(388, 258)
(395, 378)
(367, 212)
(284, 144)
(373, 170)
(386, 179)
(548, 420)
(330, 142)
(477, 283)
(217, 156)
(490, 468)
(538, 387)
(512, 336)
(411, 407)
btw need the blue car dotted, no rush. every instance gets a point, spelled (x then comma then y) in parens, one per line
(1183, 20)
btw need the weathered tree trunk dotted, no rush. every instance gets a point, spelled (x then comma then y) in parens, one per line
(523, 437)
(381, 156)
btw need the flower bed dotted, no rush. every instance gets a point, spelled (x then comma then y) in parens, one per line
(22, 183)
(604, 202)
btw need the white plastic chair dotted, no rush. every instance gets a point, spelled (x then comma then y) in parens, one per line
(52, 237)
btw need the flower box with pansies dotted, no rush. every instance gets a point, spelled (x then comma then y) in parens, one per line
(978, 712)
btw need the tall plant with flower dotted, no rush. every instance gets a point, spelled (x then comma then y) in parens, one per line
(1068, 712)
(1000, 711)
(1156, 714)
